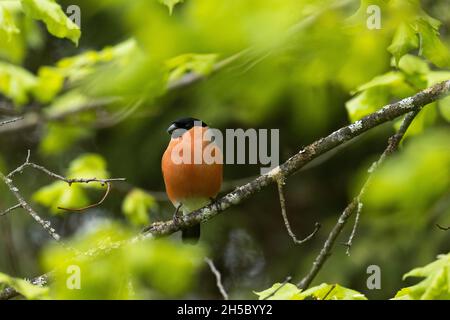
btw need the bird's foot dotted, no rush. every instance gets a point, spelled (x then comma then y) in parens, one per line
(177, 219)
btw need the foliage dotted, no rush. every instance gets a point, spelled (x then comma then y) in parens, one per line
(54, 18)
(132, 270)
(60, 194)
(136, 205)
(435, 286)
(323, 291)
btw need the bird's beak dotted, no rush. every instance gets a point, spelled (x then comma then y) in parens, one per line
(172, 128)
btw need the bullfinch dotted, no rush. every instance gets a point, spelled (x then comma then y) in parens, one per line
(192, 181)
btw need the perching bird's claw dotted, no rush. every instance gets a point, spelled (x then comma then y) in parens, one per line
(176, 216)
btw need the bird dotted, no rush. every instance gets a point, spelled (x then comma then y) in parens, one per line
(190, 183)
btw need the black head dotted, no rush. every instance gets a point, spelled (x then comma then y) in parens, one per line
(185, 124)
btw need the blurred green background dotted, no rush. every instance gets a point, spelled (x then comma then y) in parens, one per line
(300, 64)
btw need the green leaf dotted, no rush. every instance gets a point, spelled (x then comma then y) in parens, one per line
(435, 286)
(288, 291)
(332, 292)
(60, 194)
(16, 83)
(412, 65)
(49, 84)
(25, 288)
(405, 39)
(79, 66)
(7, 24)
(432, 47)
(170, 4)
(366, 102)
(89, 166)
(136, 205)
(58, 24)
(60, 137)
(197, 63)
(388, 79)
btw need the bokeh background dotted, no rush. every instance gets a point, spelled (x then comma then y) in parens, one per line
(300, 67)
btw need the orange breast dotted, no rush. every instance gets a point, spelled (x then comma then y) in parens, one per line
(191, 180)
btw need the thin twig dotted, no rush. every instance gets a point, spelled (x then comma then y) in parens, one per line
(288, 278)
(69, 181)
(349, 242)
(355, 205)
(108, 188)
(218, 276)
(10, 209)
(15, 191)
(442, 228)
(285, 218)
(10, 121)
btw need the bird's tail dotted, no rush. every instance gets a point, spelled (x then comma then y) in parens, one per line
(191, 235)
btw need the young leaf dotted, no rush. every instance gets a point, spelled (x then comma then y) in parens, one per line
(136, 205)
(60, 194)
(16, 83)
(366, 102)
(48, 85)
(435, 286)
(324, 291)
(288, 291)
(60, 137)
(198, 63)
(7, 24)
(332, 292)
(88, 166)
(432, 47)
(412, 65)
(405, 39)
(51, 13)
(388, 79)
